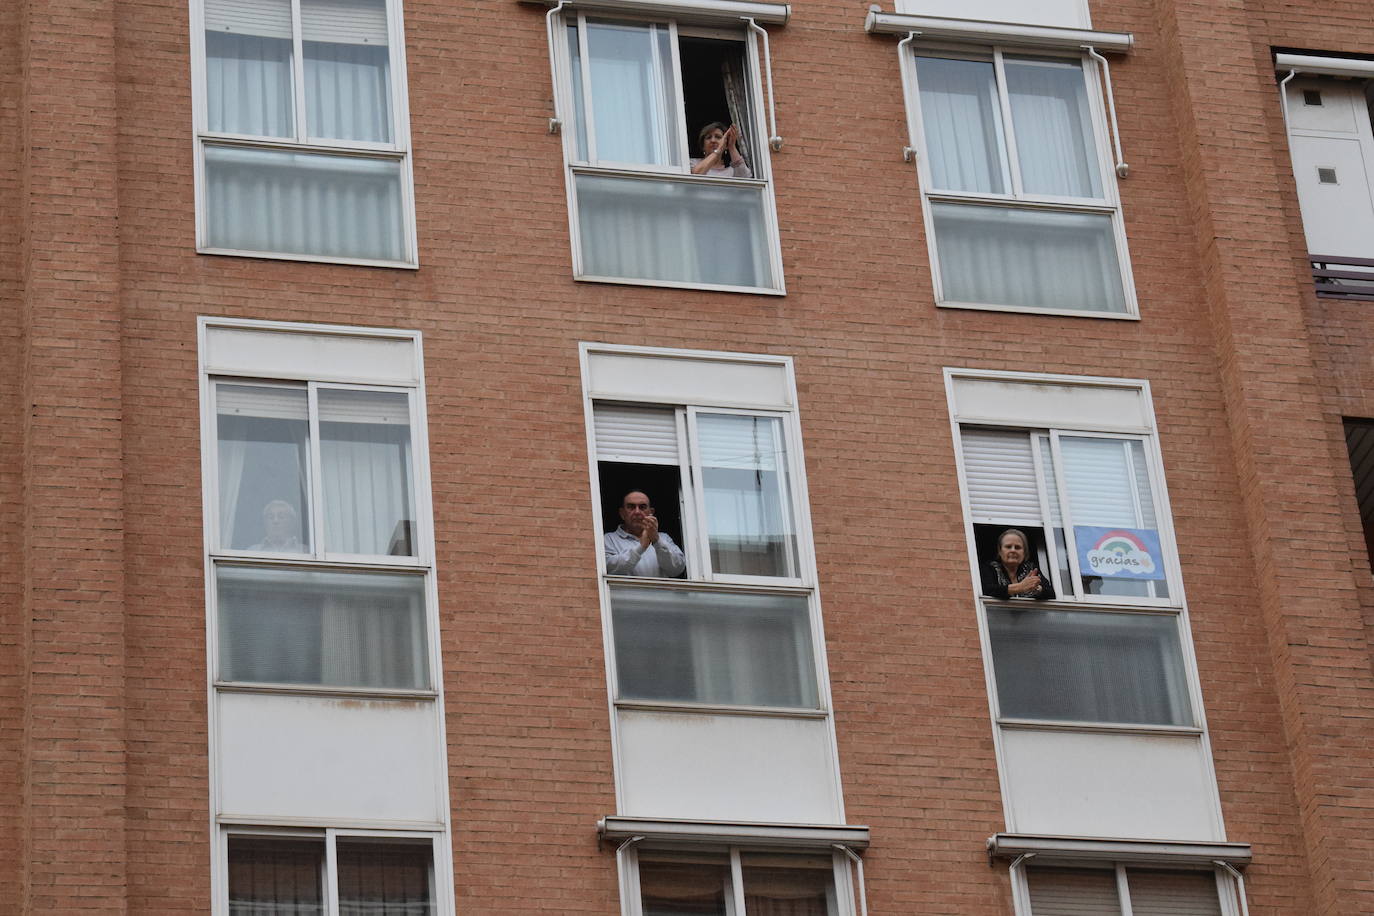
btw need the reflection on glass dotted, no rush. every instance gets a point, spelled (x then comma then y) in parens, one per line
(347, 70)
(794, 885)
(962, 123)
(248, 86)
(263, 458)
(384, 877)
(365, 462)
(749, 518)
(1108, 486)
(1054, 130)
(634, 96)
(684, 884)
(1073, 891)
(290, 626)
(579, 103)
(271, 876)
(1084, 666)
(713, 647)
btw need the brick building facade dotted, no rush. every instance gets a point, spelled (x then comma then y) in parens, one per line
(127, 771)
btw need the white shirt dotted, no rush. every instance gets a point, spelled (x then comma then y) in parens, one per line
(625, 556)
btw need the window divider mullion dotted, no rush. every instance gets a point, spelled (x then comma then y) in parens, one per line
(1047, 517)
(315, 491)
(701, 537)
(298, 71)
(331, 872)
(588, 103)
(1123, 890)
(1065, 511)
(684, 147)
(737, 881)
(1013, 163)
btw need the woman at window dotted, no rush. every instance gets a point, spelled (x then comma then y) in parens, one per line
(716, 141)
(1013, 574)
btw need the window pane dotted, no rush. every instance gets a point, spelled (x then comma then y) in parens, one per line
(788, 885)
(347, 69)
(1028, 258)
(263, 459)
(365, 462)
(1082, 666)
(1173, 893)
(962, 124)
(1054, 131)
(276, 877)
(303, 203)
(291, 626)
(579, 103)
(749, 517)
(1072, 892)
(713, 647)
(634, 94)
(681, 231)
(248, 68)
(1114, 525)
(385, 877)
(684, 885)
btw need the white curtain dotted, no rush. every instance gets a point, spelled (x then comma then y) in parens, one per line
(276, 877)
(962, 124)
(749, 518)
(365, 466)
(634, 98)
(248, 67)
(347, 69)
(1054, 134)
(1028, 258)
(373, 634)
(261, 432)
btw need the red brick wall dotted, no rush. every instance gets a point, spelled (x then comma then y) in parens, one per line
(1249, 376)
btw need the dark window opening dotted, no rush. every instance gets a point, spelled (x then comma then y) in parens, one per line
(715, 88)
(661, 483)
(1311, 97)
(985, 538)
(1359, 442)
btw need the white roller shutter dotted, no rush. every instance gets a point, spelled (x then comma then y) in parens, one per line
(1098, 478)
(261, 401)
(640, 435)
(1073, 892)
(349, 22)
(1000, 471)
(266, 18)
(1173, 893)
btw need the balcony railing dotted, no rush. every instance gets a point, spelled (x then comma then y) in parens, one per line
(1343, 277)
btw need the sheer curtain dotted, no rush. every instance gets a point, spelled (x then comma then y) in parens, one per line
(962, 123)
(749, 517)
(262, 435)
(634, 95)
(1054, 131)
(365, 462)
(384, 877)
(347, 70)
(248, 67)
(780, 885)
(276, 877)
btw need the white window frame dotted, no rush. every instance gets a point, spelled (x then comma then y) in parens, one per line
(844, 885)
(1109, 204)
(574, 166)
(398, 151)
(1230, 893)
(441, 879)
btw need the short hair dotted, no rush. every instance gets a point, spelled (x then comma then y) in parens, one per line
(280, 502)
(635, 490)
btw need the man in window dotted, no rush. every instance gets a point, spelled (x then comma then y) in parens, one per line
(628, 547)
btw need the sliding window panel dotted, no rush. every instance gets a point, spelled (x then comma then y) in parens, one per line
(347, 70)
(366, 472)
(380, 876)
(304, 203)
(788, 885)
(263, 435)
(962, 120)
(1048, 259)
(633, 93)
(276, 876)
(248, 68)
(681, 231)
(685, 884)
(713, 647)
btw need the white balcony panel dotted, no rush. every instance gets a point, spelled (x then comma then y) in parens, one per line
(262, 353)
(330, 758)
(1067, 14)
(727, 767)
(1151, 787)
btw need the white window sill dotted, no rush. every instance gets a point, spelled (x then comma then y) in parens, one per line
(1054, 725)
(711, 709)
(1093, 849)
(315, 258)
(314, 690)
(1031, 310)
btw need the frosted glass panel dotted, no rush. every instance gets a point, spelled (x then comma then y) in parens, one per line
(365, 466)
(382, 877)
(713, 647)
(747, 494)
(263, 460)
(634, 97)
(684, 884)
(303, 203)
(276, 877)
(347, 69)
(286, 626)
(1054, 132)
(683, 231)
(1089, 667)
(962, 123)
(1029, 258)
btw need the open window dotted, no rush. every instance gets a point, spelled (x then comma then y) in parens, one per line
(639, 97)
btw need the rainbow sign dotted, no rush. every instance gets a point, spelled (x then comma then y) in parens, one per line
(1119, 553)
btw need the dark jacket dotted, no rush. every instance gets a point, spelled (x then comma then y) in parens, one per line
(995, 581)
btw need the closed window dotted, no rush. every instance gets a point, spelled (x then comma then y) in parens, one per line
(1111, 891)
(302, 131)
(667, 154)
(735, 882)
(1020, 200)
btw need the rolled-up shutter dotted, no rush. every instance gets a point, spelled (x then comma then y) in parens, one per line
(348, 22)
(639, 435)
(1000, 471)
(266, 18)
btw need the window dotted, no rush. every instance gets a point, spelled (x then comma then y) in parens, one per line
(1359, 443)
(1015, 173)
(1110, 891)
(318, 570)
(302, 130)
(639, 99)
(329, 873)
(737, 882)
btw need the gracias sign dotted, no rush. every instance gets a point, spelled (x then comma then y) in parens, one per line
(1119, 553)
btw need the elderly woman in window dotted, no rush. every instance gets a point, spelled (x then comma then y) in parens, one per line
(717, 142)
(1013, 574)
